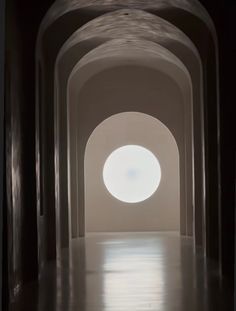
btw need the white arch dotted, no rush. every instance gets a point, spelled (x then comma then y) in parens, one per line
(191, 9)
(169, 65)
(159, 30)
(162, 210)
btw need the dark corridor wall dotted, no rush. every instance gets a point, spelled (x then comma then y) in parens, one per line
(23, 19)
(22, 22)
(2, 42)
(223, 13)
(227, 35)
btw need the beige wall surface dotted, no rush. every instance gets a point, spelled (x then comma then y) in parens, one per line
(160, 212)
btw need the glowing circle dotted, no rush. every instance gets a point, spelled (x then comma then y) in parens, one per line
(132, 174)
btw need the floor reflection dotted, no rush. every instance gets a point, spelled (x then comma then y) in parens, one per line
(133, 271)
(133, 277)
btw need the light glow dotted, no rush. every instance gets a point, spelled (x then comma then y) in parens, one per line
(132, 174)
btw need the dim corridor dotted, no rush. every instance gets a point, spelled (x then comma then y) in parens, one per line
(128, 271)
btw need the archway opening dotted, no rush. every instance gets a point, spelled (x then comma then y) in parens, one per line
(132, 176)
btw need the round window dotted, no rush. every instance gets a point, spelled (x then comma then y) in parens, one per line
(132, 174)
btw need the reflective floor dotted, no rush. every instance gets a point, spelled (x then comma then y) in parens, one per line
(133, 271)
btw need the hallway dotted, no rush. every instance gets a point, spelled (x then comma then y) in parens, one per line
(118, 133)
(129, 271)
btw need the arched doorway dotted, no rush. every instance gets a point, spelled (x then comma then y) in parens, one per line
(160, 211)
(126, 96)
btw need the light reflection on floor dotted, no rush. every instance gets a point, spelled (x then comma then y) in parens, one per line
(133, 277)
(128, 272)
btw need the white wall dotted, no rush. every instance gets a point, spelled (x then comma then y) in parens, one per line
(105, 213)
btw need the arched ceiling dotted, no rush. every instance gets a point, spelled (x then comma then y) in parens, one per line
(61, 8)
(132, 52)
(139, 23)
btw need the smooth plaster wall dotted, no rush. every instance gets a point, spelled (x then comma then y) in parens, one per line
(161, 212)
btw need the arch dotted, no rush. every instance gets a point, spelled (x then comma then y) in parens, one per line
(160, 212)
(154, 29)
(169, 71)
(180, 13)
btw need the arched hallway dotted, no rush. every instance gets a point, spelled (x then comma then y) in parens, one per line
(86, 80)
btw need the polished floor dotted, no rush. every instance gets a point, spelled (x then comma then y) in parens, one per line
(129, 272)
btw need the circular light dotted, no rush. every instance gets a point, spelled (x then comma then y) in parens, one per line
(132, 174)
